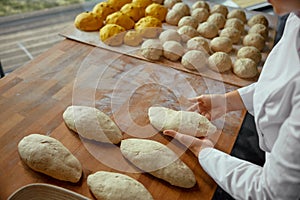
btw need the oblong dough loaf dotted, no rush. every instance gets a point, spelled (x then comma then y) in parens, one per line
(48, 156)
(115, 186)
(191, 123)
(92, 124)
(158, 160)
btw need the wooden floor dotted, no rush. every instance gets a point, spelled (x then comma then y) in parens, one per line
(25, 36)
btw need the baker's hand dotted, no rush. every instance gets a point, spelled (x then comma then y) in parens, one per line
(212, 106)
(193, 143)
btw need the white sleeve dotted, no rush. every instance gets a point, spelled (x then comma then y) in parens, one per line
(246, 94)
(278, 179)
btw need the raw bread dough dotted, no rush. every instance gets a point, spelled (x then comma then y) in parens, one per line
(133, 38)
(117, 4)
(115, 186)
(231, 33)
(208, 30)
(112, 34)
(220, 62)
(182, 7)
(92, 124)
(49, 156)
(223, 44)
(218, 19)
(152, 49)
(173, 17)
(194, 60)
(173, 50)
(149, 27)
(200, 4)
(170, 35)
(258, 19)
(198, 43)
(239, 14)
(260, 29)
(245, 68)
(254, 39)
(142, 3)
(190, 123)
(156, 10)
(88, 21)
(120, 19)
(250, 52)
(200, 14)
(103, 9)
(235, 23)
(133, 11)
(187, 32)
(170, 3)
(158, 160)
(218, 8)
(189, 21)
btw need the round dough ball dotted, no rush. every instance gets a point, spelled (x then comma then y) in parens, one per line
(200, 4)
(189, 21)
(217, 19)
(103, 9)
(187, 32)
(121, 19)
(173, 50)
(250, 52)
(235, 23)
(182, 7)
(112, 34)
(245, 68)
(88, 21)
(170, 35)
(208, 30)
(133, 11)
(220, 62)
(260, 29)
(117, 4)
(218, 8)
(148, 27)
(173, 17)
(156, 10)
(258, 19)
(254, 39)
(198, 43)
(133, 38)
(152, 49)
(239, 14)
(200, 14)
(170, 3)
(222, 44)
(231, 33)
(194, 60)
(142, 3)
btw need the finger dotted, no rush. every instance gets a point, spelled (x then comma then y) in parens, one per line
(193, 107)
(193, 99)
(186, 140)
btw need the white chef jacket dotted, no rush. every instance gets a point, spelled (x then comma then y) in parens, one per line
(274, 101)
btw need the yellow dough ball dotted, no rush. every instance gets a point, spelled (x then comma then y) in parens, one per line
(88, 21)
(142, 3)
(103, 9)
(133, 38)
(121, 19)
(148, 27)
(112, 34)
(117, 4)
(156, 10)
(133, 11)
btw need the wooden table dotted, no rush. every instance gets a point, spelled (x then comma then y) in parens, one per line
(34, 97)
